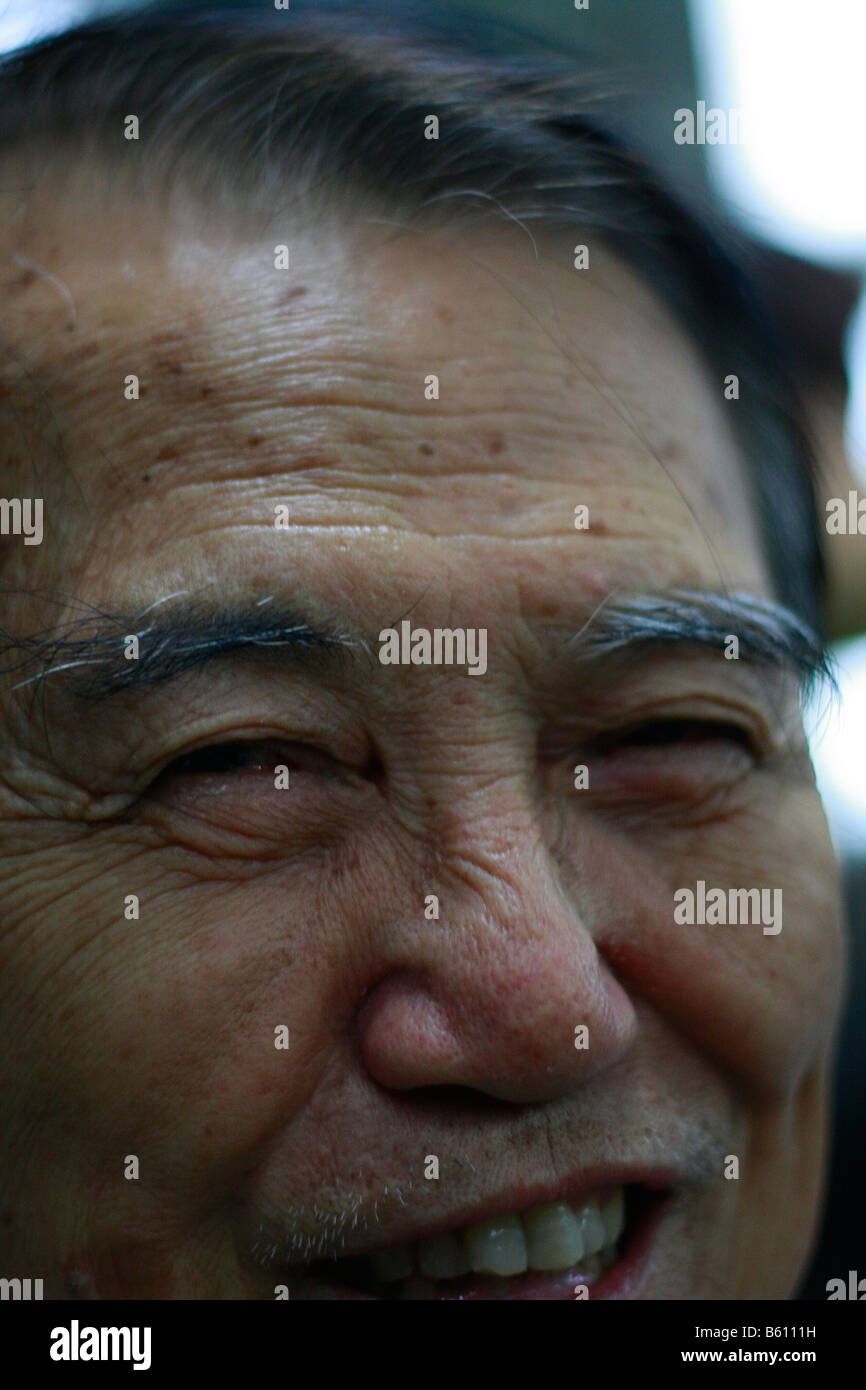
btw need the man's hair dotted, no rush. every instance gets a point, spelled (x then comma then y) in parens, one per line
(328, 101)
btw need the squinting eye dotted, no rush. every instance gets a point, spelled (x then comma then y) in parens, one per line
(220, 758)
(671, 759)
(250, 755)
(684, 733)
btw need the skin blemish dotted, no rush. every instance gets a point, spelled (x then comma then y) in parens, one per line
(174, 347)
(497, 444)
(426, 449)
(297, 292)
(166, 452)
(22, 283)
(254, 441)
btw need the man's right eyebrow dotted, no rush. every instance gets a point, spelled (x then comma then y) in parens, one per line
(91, 653)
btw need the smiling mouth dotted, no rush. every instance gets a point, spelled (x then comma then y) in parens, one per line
(545, 1251)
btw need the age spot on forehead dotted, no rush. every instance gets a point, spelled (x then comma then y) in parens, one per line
(287, 296)
(23, 282)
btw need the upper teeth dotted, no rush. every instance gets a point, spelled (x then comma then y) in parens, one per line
(554, 1236)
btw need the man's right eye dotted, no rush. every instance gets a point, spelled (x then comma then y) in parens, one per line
(265, 789)
(250, 756)
(219, 758)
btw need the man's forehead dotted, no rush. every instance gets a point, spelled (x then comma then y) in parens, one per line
(451, 383)
(501, 321)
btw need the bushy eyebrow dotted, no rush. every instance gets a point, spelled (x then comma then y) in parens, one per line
(767, 632)
(186, 633)
(90, 651)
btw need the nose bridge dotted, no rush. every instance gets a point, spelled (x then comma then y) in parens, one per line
(466, 787)
(499, 883)
(488, 859)
(484, 827)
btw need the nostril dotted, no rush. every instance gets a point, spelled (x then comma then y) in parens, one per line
(469, 1100)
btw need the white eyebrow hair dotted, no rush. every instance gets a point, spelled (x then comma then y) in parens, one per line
(181, 636)
(766, 631)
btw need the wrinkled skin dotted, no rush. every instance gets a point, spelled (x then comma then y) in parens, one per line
(306, 907)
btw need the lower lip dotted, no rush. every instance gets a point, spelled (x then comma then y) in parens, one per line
(618, 1282)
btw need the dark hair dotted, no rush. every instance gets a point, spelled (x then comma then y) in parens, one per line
(329, 100)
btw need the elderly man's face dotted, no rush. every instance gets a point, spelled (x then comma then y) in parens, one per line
(430, 1001)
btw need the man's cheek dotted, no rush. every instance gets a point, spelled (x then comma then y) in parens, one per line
(186, 1017)
(758, 1000)
(779, 951)
(228, 1033)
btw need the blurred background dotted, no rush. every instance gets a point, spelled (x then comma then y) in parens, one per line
(794, 185)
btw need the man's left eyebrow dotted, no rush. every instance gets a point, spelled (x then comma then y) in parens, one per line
(91, 653)
(766, 632)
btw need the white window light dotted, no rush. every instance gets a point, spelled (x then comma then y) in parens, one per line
(795, 70)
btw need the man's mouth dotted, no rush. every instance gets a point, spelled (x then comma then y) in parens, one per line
(544, 1251)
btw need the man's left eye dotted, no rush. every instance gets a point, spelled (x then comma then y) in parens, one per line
(683, 733)
(671, 759)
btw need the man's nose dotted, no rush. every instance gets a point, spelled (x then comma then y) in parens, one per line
(506, 991)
